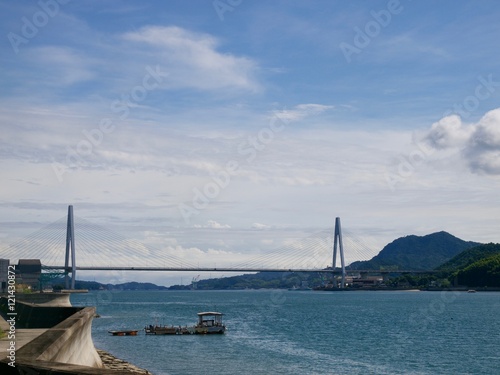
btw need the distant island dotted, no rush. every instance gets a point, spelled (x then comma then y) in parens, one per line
(94, 285)
(457, 263)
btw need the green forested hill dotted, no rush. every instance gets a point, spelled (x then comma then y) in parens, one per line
(469, 256)
(484, 272)
(417, 252)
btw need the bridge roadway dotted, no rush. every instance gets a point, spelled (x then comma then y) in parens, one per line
(226, 269)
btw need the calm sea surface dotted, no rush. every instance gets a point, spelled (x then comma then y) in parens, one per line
(305, 332)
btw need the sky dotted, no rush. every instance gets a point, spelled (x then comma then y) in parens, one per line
(221, 129)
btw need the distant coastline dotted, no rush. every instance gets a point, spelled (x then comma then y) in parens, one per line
(435, 262)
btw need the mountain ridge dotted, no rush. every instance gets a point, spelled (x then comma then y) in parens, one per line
(416, 253)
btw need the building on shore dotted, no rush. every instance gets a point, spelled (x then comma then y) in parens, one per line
(29, 272)
(4, 273)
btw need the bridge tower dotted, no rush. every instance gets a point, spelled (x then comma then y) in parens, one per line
(70, 247)
(338, 238)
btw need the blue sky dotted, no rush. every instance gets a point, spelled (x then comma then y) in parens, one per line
(244, 124)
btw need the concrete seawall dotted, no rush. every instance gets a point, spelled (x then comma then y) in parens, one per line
(46, 299)
(33, 316)
(68, 342)
(56, 340)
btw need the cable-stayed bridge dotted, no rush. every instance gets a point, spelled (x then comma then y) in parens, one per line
(101, 249)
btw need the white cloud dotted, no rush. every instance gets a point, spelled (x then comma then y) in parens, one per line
(483, 148)
(212, 224)
(260, 226)
(448, 132)
(409, 46)
(301, 111)
(193, 61)
(479, 143)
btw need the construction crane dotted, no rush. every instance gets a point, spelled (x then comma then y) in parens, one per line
(194, 282)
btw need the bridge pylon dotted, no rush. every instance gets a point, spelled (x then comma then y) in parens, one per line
(70, 248)
(338, 239)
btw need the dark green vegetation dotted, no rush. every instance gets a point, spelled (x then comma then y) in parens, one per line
(470, 256)
(416, 253)
(478, 266)
(483, 272)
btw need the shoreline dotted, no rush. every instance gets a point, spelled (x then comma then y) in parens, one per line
(375, 289)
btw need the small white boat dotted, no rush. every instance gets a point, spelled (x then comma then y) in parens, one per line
(209, 322)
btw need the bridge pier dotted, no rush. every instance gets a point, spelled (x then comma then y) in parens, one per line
(70, 248)
(338, 238)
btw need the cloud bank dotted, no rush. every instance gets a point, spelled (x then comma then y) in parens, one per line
(479, 143)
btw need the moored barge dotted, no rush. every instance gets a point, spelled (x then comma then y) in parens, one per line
(209, 322)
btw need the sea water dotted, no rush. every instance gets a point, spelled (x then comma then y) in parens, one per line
(304, 332)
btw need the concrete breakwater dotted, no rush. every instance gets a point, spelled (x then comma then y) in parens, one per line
(111, 362)
(50, 339)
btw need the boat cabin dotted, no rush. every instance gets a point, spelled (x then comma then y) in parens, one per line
(210, 322)
(210, 319)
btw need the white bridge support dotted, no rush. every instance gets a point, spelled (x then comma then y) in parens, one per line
(70, 247)
(338, 238)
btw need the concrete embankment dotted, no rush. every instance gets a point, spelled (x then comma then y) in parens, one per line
(46, 299)
(52, 340)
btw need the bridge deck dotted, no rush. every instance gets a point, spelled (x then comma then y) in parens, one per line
(226, 269)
